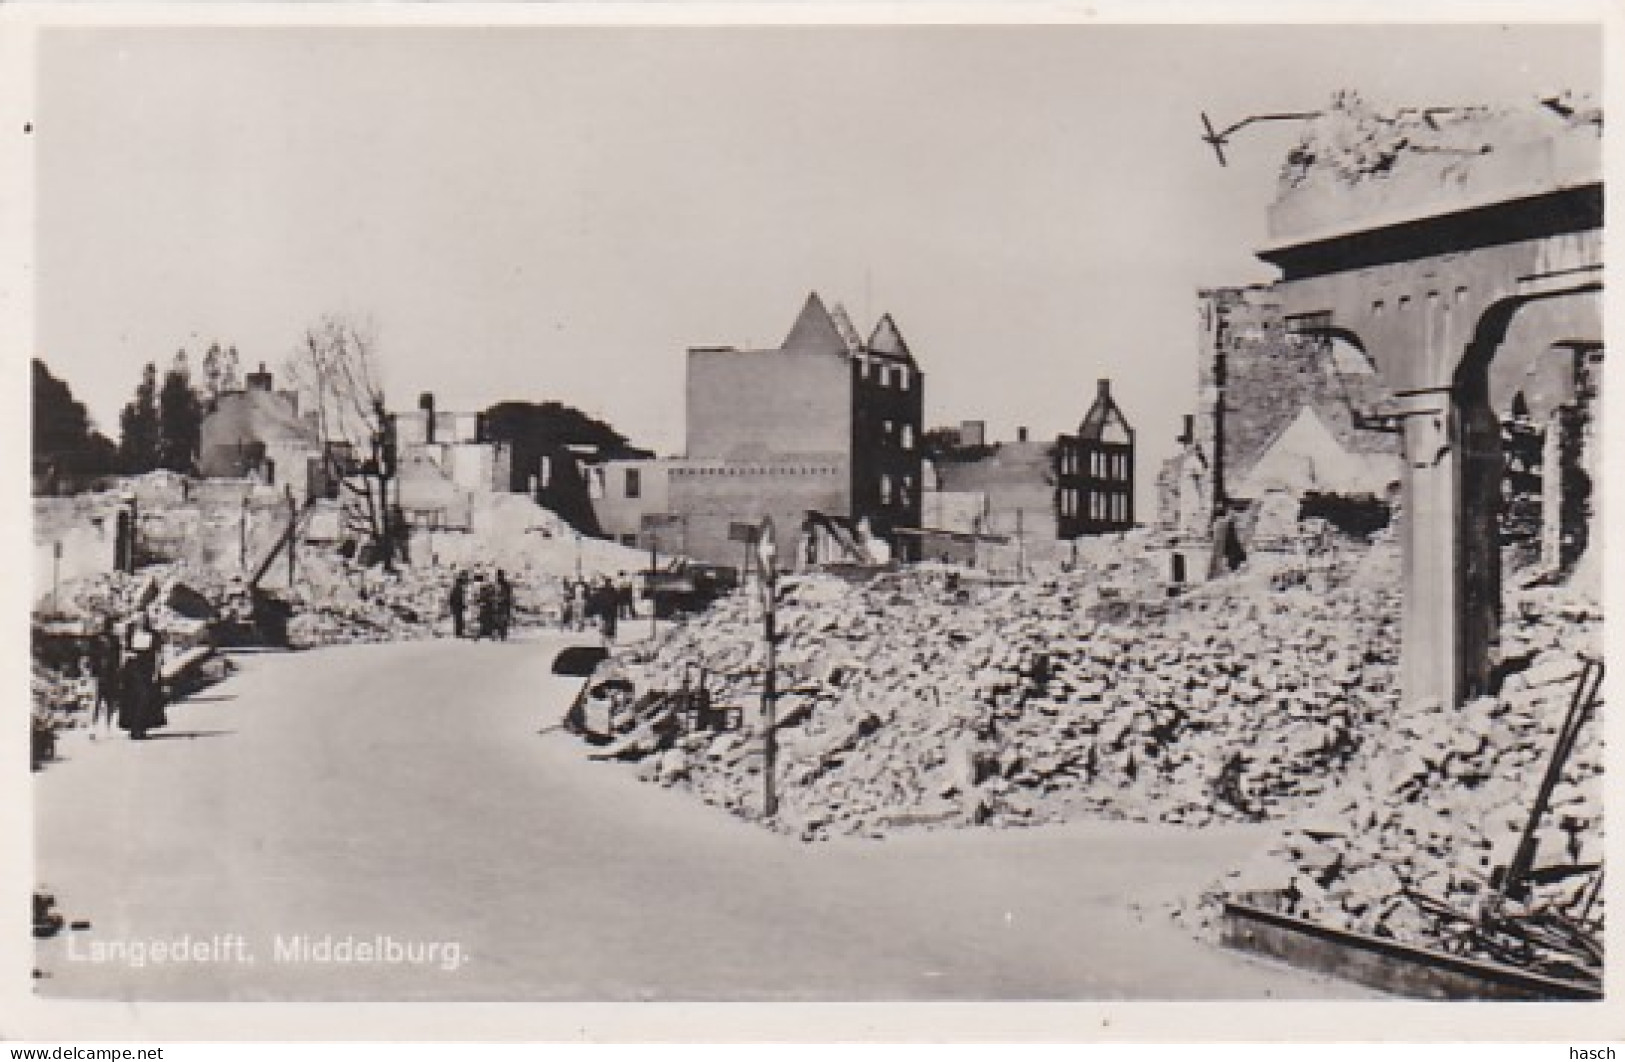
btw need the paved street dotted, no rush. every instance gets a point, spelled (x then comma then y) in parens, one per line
(402, 792)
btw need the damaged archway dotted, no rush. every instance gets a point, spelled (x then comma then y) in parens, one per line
(1459, 278)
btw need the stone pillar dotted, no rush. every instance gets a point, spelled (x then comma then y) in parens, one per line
(1448, 534)
(1428, 538)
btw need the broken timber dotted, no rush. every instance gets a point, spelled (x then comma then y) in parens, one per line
(1388, 965)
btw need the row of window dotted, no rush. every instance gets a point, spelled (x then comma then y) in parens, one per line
(904, 437)
(899, 491)
(632, 484)
(1112, 508)
(885, 374)
(760, 470)
(1101, 465)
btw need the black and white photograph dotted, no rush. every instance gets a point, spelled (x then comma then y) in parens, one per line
(782, 510)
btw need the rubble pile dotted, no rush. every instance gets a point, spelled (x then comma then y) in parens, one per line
(512, 532)
(1410, 844)
(337, 602)
(919, 699)
(59, 702)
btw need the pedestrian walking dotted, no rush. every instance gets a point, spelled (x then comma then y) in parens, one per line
(567, 599)
(504, 593)
(486, 598)
(141, 702)
(104, 655)
(580, 600)
(458, 601)
(607, 606)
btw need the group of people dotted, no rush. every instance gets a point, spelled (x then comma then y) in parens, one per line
(601, 603)
(481, 607)
(126, 663)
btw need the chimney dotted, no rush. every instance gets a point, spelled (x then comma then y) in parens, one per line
(1021, 434)
(1103, 389)
(1188, 436)
(259, 381)
(426, 404)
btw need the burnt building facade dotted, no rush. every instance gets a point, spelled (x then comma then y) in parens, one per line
(1461, 251)
(1094, 472)
(1270, 396)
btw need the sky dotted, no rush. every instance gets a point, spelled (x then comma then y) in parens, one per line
(559, 213)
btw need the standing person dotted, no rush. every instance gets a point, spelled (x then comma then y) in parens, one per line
(504, 592)
(567, 599)
(627, 599)
(486, 597)
(458, 601)
(607, 602)
(104, 656)
(579, 598)
(141, 704)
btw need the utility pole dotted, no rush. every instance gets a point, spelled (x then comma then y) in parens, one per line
(293, 532)
(766, 552)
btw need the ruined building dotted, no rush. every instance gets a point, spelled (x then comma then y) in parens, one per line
(992, 505)
(1287, 425)
(1006, 505)
(444, 460)
(1460, 250)
(259, 432)
(1094, 469)
(825, 423)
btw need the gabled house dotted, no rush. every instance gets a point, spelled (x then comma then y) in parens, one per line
(1094, 471)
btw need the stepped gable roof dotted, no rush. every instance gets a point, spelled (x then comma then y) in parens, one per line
(815, 331)
(888, 339)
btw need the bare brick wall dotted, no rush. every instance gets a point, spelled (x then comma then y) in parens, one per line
(1269, 376)
(713, 495)
(749, 404)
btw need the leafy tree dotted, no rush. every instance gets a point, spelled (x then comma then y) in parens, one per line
(222, 372)
(180, 418)
(65, 439)
(138, 425)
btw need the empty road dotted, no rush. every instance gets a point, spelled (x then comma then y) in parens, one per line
(386, 823)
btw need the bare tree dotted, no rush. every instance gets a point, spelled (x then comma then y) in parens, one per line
(337, 374)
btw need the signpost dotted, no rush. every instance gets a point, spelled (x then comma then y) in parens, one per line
(747, 534)
(767, 556)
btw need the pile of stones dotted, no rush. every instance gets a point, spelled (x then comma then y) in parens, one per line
(920, 699)
(1409, 844)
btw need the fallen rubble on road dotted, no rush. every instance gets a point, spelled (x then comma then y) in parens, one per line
(929, 699)
(1414, 842)
(925, 697)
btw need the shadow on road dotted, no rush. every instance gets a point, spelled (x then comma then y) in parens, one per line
(188, 734)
